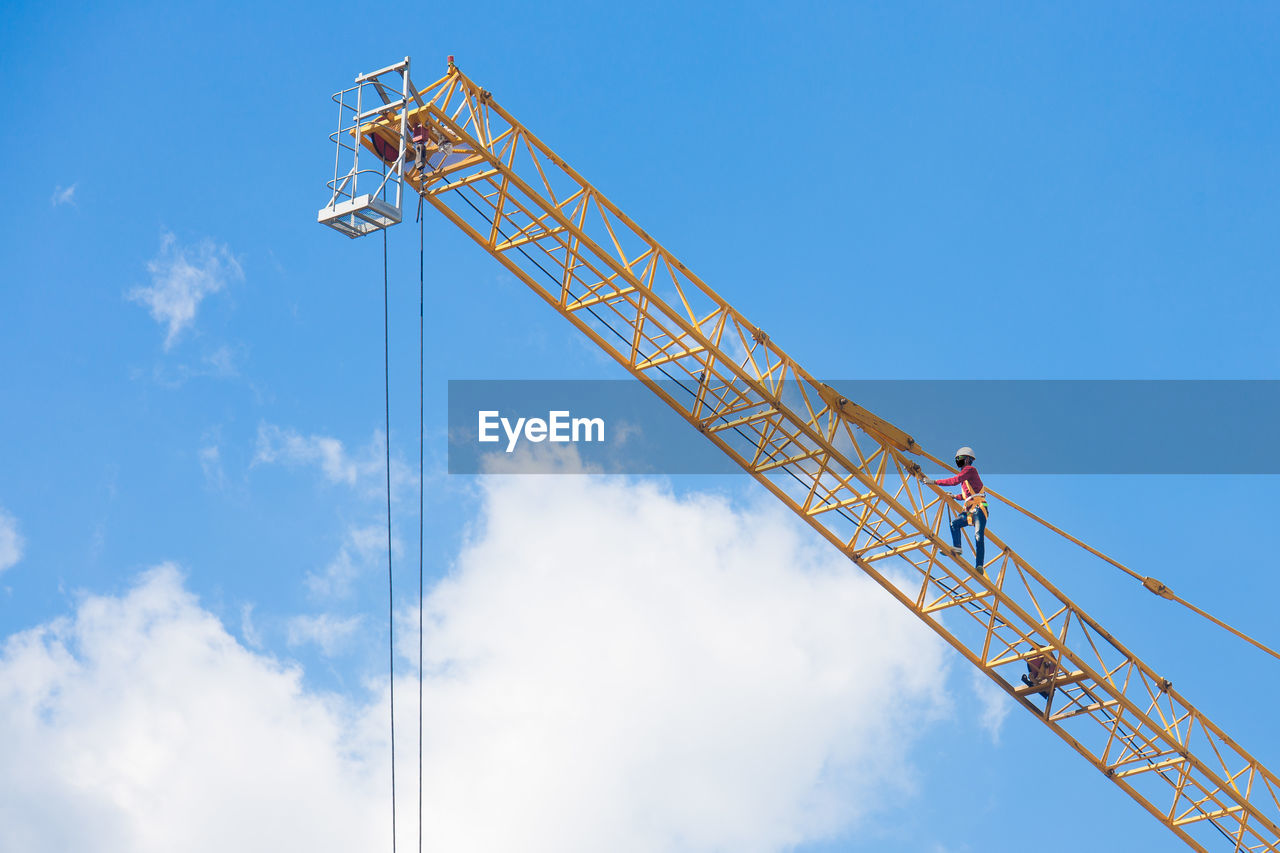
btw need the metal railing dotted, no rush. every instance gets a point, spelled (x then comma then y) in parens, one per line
(364, 200)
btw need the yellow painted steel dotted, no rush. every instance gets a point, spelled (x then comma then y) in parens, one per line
(846, 472)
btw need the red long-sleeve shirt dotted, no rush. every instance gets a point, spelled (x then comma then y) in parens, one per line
(968, 474)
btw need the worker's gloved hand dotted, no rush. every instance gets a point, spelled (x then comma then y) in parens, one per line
(928, 481)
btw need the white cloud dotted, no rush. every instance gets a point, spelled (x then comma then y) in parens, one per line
(363, 548)
(609, 668)
(181, 277)
(97, 541)
(63, 195)
(248, 630)
(139, 724)
(211, 465)
(222, 361)
(12, 544)
(994, 702)
(325, 630)
(325, 452)
(364, 470)
(613, 668)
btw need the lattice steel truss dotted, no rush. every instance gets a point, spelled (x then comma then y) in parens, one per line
(847, 473)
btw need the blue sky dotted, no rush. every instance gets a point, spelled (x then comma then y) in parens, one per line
(1089, 193)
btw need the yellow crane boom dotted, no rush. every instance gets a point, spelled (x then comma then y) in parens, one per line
(850, 475)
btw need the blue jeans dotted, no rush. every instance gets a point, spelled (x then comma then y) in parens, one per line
(980, 540)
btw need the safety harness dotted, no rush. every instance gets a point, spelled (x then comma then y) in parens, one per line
(973, 501)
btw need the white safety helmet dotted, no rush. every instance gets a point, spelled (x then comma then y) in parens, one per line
(965, 451)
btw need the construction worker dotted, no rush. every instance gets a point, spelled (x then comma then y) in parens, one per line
(1039, 670)
(975, 503)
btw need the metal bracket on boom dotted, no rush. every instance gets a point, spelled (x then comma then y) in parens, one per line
(368, 199)
(1156, 587)
(878, 428)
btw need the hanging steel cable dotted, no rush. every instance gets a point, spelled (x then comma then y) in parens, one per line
(391, 597)
(421, 501)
